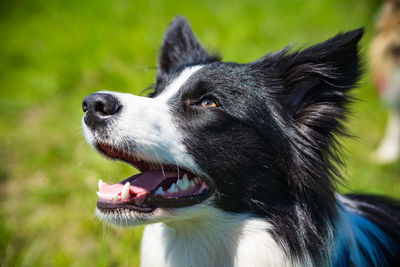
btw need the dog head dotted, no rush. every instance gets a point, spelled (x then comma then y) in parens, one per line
(250, 137)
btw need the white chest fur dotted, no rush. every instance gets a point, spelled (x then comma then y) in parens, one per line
(220, 239)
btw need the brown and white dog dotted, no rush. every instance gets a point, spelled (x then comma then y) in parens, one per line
(385, 66)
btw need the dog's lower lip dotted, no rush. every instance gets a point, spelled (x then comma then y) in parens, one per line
(178, 202)
(107, 206)
(152, 202)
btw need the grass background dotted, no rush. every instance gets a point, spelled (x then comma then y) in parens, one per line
(53, 53)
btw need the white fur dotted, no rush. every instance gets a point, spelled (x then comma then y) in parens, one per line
(87, 133)
(216, 239)
(147, 123)
(389, 149)
(177, 84)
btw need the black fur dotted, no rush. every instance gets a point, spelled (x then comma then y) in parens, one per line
(180, 47)
(270, 143)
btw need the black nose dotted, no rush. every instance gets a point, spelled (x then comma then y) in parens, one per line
(99, 108)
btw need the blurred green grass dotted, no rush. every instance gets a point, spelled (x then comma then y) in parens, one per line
(53, 53)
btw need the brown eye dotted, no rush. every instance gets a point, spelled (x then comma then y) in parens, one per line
(207, 103)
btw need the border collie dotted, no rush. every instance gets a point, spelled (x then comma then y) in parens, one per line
(238, 161)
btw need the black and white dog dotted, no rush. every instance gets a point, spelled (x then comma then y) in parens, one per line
(235, 160)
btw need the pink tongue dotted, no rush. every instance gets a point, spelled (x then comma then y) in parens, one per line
(141, 184)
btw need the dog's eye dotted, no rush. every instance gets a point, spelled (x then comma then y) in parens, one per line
(207, 103)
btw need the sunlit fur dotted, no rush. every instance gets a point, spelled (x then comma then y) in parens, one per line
(216, 238)
(269, 147)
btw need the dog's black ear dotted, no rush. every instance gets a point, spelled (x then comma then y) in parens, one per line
(312, 88)
(180, 46)
(316, 81)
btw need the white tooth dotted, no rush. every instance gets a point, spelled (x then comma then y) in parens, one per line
(179, 183)
(104, 196)
(172, 189)
(100, 183)
(125, 191)
(184, 183)
(116, 197)
(185, 178)
(192, 183)
(159, 191)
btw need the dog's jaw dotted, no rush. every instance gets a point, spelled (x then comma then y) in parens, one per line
(145, 127)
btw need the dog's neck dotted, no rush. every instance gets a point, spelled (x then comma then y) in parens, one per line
(218, 239)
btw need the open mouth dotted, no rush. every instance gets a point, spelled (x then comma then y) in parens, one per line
(157, 185)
